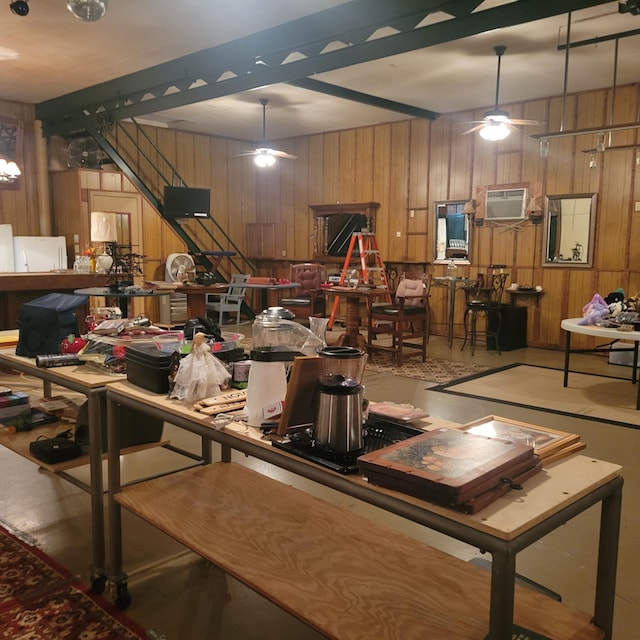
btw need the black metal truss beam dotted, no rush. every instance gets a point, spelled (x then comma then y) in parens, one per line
(287, 53)
(365, 98)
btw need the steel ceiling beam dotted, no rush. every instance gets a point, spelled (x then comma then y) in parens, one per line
(288, 53)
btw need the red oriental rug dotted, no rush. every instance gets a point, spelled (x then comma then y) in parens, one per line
(41, 600)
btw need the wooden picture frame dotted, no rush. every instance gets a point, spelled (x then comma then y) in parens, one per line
(546, 442)
(299, 402)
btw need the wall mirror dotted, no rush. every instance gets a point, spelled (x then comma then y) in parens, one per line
(453, 236)
(570, 227)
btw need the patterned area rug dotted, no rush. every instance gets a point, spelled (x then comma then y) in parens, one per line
(40, 600)
(433, 370)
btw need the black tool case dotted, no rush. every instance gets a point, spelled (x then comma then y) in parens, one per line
(149, 368)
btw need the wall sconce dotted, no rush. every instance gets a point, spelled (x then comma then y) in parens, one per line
(544, 148)
(9, 171)
(470, 209)
(535, 211)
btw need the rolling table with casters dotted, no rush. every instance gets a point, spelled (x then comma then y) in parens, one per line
(514, 522)
(93, 386)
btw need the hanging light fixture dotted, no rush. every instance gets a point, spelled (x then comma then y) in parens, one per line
(9, 171)
(87, 10)
(544, 148)
(495, 130)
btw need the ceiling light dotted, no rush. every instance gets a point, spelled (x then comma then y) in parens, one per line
(9, 171)
(87, 10)
(494, 131)
(20, 7)
(265, 159)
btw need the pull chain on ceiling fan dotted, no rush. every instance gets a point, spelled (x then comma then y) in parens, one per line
(496, 124)
(265, 156)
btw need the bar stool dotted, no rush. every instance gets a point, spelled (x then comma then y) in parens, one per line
(485, 303)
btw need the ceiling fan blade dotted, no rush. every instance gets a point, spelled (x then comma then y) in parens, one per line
(245, 153)
(525, 122)
(481, 125)
(282, 154)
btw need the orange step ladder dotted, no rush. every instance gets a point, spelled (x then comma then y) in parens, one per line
(372, 269)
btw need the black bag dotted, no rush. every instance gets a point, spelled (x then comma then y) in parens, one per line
(53, 450)
(202, 325)
(44, 322)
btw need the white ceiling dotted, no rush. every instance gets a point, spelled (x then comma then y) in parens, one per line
(49, 53)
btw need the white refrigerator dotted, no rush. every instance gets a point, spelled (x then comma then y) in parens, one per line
(6, 249)
(39, 253)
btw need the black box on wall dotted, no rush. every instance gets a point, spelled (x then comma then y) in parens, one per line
(513, 328)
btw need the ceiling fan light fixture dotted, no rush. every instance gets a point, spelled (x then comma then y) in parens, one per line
(87, 10)
(264, 159)
(494, 131)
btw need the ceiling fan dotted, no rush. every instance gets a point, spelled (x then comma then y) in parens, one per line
(496, 124)
(265, 156)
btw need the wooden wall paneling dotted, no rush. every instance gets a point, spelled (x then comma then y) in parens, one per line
(301, 223)
(301, 233)
(608, 281)
(398, 186)
(315, 160)
(149, 156)
(460, 169)
(439, 159)
(331, 168)
(418, 187)
(508, 166)
(381, 189)
(612, 225)
(553, 308)
(502, 246)
(364, 167)
(347, 165)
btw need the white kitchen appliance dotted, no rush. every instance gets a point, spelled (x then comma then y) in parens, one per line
(39, 253)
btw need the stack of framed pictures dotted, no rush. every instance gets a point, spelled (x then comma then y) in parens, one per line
(550, 445)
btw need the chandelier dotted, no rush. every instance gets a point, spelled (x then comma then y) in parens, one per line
(9, 171)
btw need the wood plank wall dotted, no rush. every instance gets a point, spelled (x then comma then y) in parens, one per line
(406, 166)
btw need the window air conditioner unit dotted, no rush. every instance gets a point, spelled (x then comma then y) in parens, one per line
(506, 204)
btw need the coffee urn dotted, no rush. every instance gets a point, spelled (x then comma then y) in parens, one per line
(340, 396)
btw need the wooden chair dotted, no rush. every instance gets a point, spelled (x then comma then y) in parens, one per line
(406, 319)
(308, 300)
(228, 302)
(485, 304)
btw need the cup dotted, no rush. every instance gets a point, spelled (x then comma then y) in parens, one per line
(513, 286)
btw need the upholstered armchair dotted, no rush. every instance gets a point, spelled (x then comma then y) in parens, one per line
(307, 299)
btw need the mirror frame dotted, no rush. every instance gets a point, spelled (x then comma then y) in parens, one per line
(587, 263)
(459, 204)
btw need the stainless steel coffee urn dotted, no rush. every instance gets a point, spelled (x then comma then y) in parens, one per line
(338, 416)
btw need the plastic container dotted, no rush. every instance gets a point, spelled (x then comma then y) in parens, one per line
(149, 368)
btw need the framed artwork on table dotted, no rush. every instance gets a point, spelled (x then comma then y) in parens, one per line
(547, 443)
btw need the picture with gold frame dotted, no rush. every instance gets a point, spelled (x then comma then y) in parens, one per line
(549, 444)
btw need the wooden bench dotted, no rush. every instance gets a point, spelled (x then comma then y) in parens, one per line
(347, 577)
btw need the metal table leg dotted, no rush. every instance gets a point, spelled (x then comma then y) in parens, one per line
(96, 408)
(567, 351)
(503, 577)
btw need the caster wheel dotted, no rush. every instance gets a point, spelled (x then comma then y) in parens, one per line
(122, 597)
(98, 584)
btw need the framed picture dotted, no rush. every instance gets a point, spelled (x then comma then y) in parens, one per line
(545, 442)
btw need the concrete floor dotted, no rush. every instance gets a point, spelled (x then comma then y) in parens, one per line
(180, 597)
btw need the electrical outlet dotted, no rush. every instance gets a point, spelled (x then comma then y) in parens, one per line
(284, 253)
(398, 234)
(636, 205)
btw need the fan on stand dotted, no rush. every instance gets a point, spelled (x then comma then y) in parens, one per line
(85, 153)
(180, 267)
(496, 124)
(265, 156)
